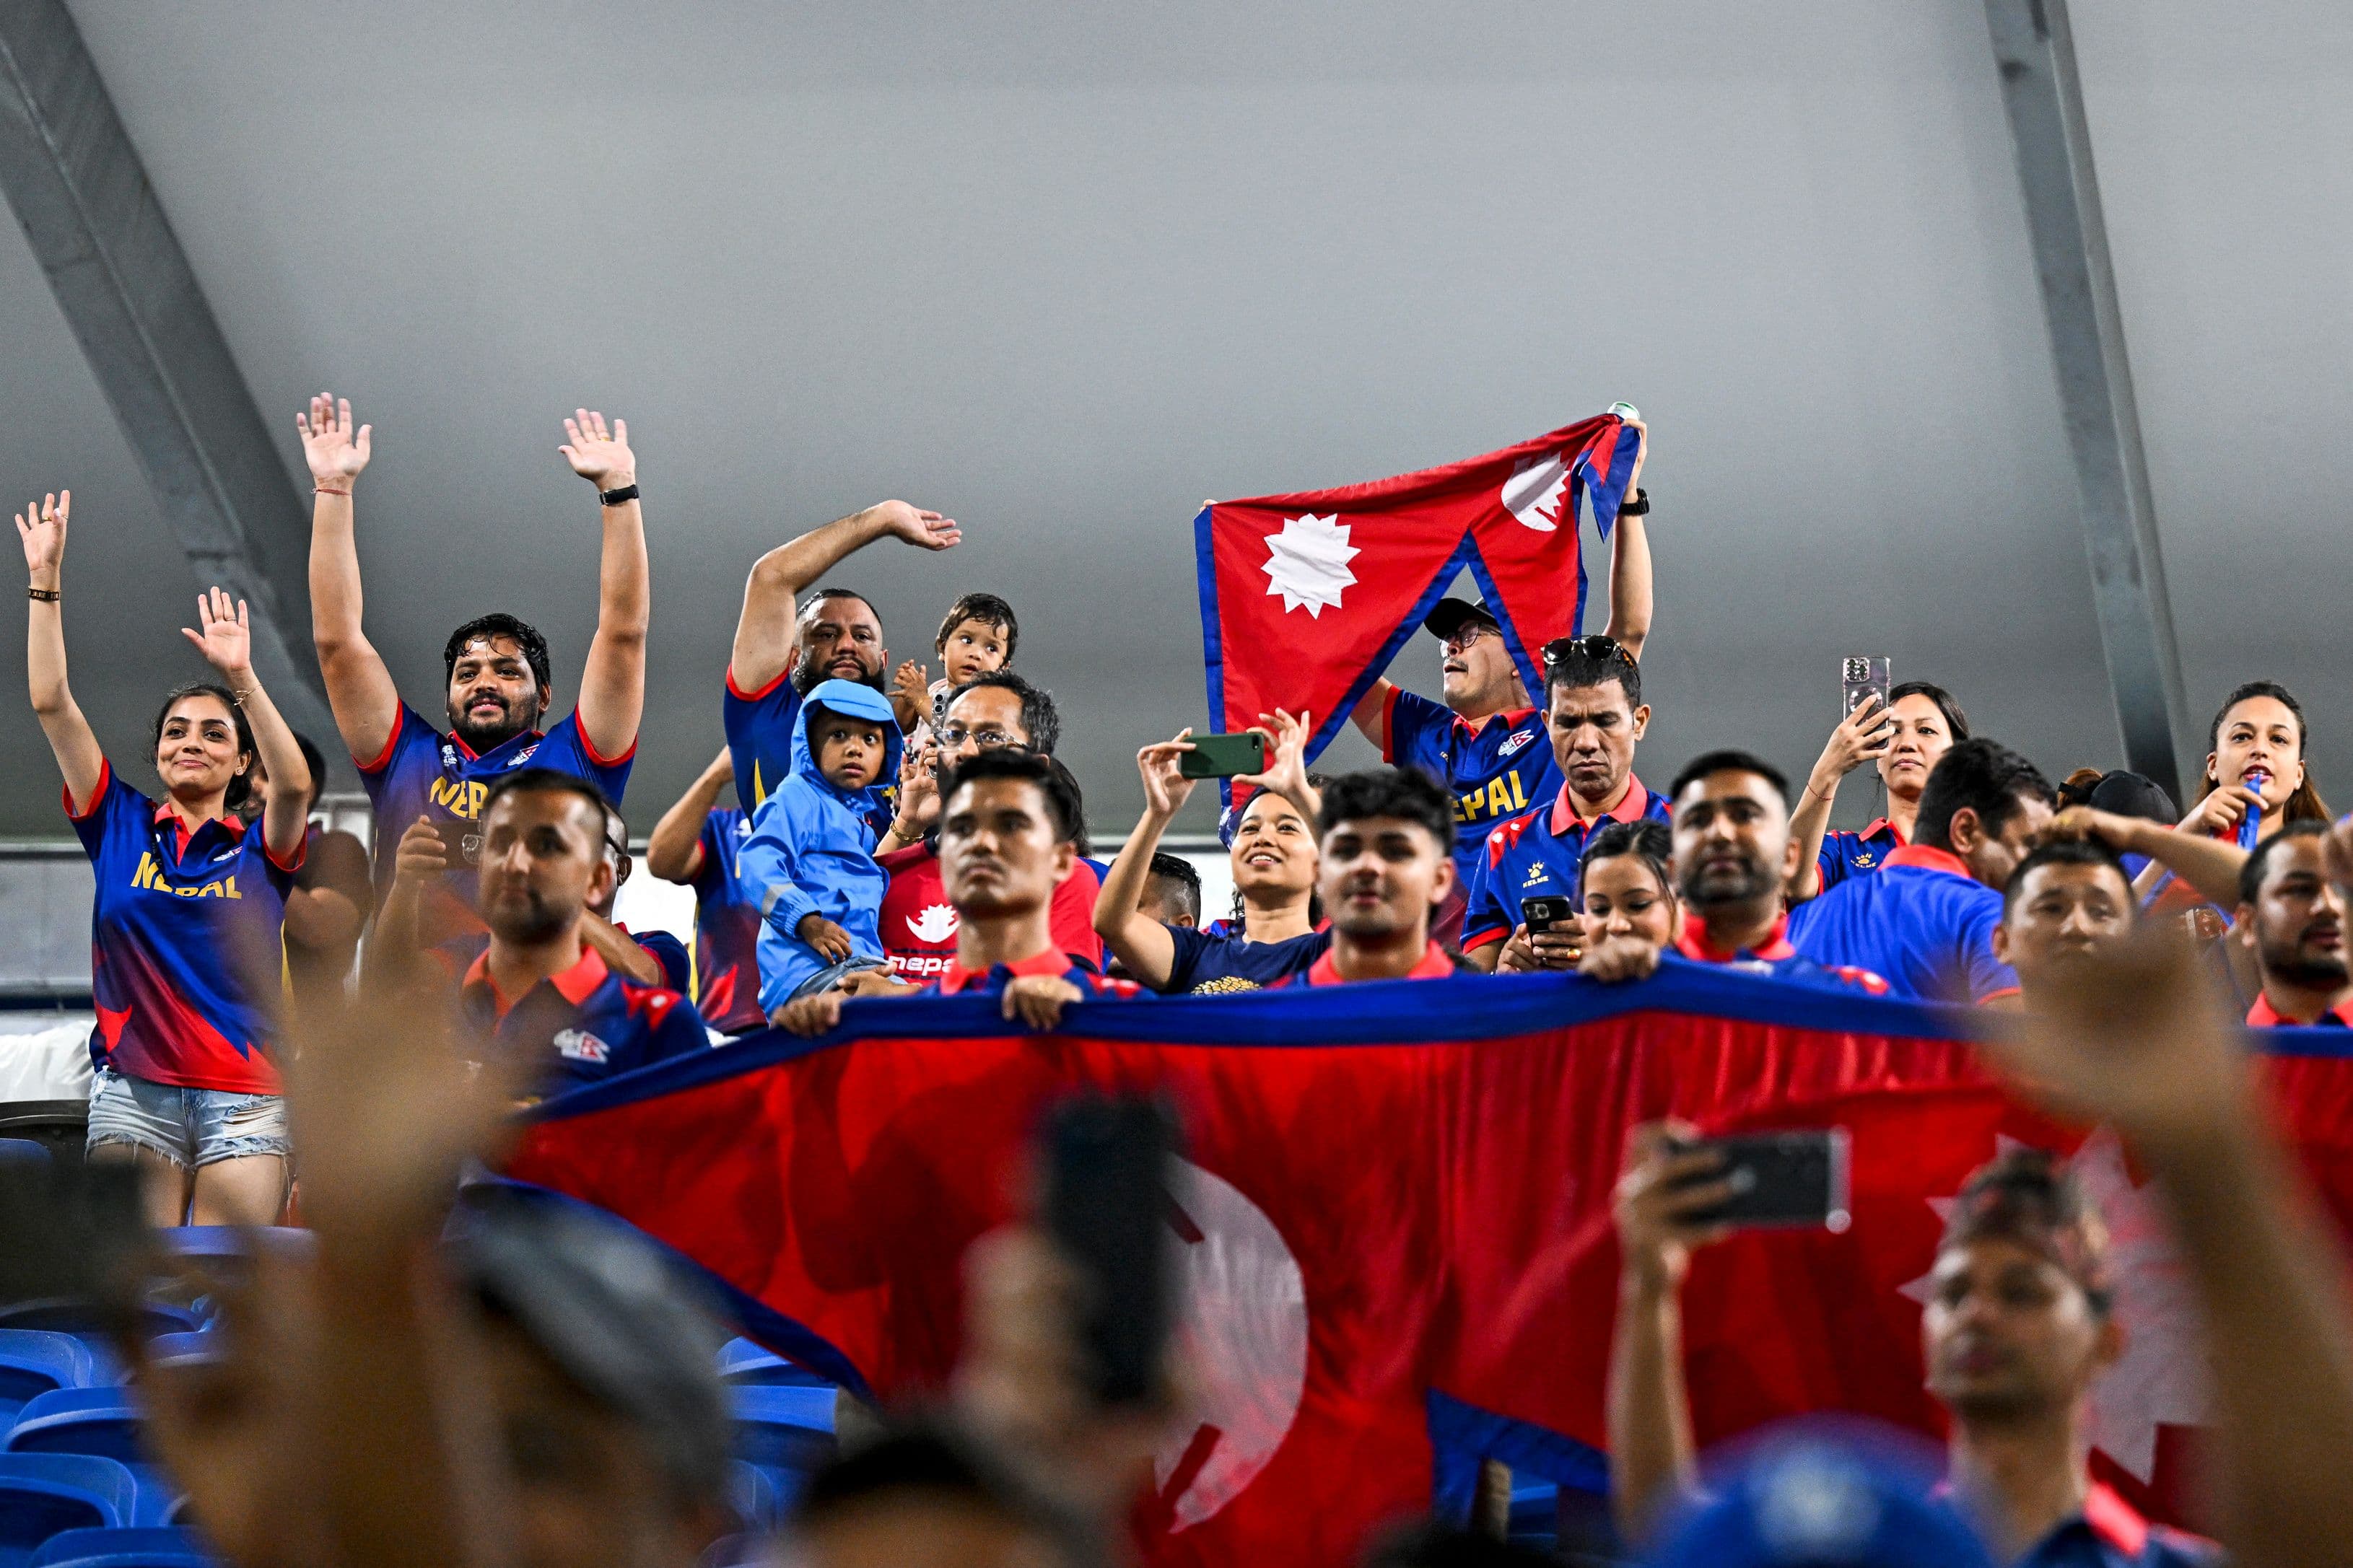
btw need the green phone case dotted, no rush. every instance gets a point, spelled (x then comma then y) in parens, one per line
(1223, 756)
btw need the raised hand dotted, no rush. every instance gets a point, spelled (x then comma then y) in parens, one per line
(919, 791)
(911, 694)
(335, 452)
(924, 530)
(1661, 1187)
(1861, 737)
(423, 854)
(2218, 815)
(1286, 759)
(1641, 454)
(1166, 787)
(42, 526)
(601, 457)
(226, 640)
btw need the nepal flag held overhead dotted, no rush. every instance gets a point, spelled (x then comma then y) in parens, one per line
(1305, 598)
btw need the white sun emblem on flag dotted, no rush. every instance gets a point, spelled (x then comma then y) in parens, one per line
(2162, 1378)
(1307, 563)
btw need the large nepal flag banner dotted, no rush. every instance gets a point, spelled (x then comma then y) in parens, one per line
(1394, 1216)
(1305, 598)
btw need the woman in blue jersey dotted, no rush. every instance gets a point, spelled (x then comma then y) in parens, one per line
(1919, 725)
(185, 941)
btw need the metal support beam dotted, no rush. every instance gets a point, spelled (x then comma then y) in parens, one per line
(81, 194)
(2034, 49)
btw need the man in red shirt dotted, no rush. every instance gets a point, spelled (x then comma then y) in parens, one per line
(1005, 849)
(2293, 918)
(919, 919)
(1386, 839)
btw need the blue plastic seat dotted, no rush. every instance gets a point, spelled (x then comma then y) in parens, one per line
(32, 1361)
(101, 1421)
(43, 1494)
(136, 1547)
(742, 1362)
(785, 1428)
(235, 1241)
(83, 1319)
(23, 1152)
(1536, 1511)
(202, 1345)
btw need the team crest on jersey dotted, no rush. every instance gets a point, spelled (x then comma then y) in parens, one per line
(524, 755)
(580, 1046)
(448, 755)
(1538, 875)
(1864, 861)
(1513, 743)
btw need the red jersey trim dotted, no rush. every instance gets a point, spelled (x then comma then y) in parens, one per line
(1434, 965)
(589, 746)
(1893, 831)
(302, 853)
(1052, 961)
(1630, 806)
(1512, 717)
(1928, 859)
(2263, 1015)
(384, 758)
(105, 777)
(2114, 1521)
(2004, 995)
(1388, 725)
(1481, 938)
(1693, 942)
(742, 696)
(575, 984)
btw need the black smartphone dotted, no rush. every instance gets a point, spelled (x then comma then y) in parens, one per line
(1108, 1161)
(1547, 912)
(72, 1234)
(1223, 756)
(1793, 1179)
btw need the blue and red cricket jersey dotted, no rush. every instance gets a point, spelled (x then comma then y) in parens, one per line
(1847, 854)
(2111, 1533)
(1774, 958)
(423, 773)
(180, 922)
(1212, 961)
(2263, 1015)
(760, 726)
(584, 1025)
(726, 928)
(1537, 855)
(676, 968)
(1922, 922)
(1434, 964)
(1496, 768)
(955, 979)
(918, 925)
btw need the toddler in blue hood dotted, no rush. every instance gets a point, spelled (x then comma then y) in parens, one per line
(809, 865)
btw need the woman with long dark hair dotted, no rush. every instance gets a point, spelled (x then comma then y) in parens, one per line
(185, 941)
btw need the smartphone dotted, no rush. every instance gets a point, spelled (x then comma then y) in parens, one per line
(1783, 1179)
(72, 1234)
(1547, 912)
(1862, 678)
(1107, 1206)
(1223, 756)
(461, 842)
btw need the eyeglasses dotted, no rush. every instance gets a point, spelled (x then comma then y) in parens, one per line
(1467, 634)
(1598, 647)
(988, 738)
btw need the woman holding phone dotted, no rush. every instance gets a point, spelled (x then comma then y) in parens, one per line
(185, 928)
(1905, 739)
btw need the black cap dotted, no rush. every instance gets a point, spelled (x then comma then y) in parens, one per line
(611, 1310)
(1447, 616)
(2125, 794)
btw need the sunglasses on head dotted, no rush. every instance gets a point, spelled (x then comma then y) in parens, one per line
(1607, 649)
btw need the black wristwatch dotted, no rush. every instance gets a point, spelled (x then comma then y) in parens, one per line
(1636, 505)
(615, 497)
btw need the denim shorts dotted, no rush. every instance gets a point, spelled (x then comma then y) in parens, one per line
(189, 1127)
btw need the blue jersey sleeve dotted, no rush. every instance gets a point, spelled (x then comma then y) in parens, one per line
(409, 759)
(1417, 731)
(1185, 958)
(670, 953)
(566, 749)
(107, 804)
(759, 727)
(1487, 918)
(1989, 977)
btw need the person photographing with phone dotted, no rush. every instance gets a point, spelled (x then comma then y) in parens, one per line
(1904, 729)
(1273, 859)
(187, 923)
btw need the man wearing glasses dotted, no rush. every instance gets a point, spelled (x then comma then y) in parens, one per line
(918, 922)
(1485, 745)
(1593, 696)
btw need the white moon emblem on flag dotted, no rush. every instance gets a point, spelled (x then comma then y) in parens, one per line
(1307, 563)
(1243, 1333)
(1533, 493)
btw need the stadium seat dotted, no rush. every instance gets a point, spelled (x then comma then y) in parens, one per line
(201, 1345)
(101, 1421)
(742, 1363)
(83, 1320)
(33, 1361)
(232, 1241)
(783, 1428)
(42, 1494)
(23, 1152)
(1536, 1512)
(143, 1547)
(752, 1493)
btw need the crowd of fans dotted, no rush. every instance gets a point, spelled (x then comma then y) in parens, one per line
(894, 836)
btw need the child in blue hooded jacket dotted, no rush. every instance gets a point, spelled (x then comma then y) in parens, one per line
(808, 866)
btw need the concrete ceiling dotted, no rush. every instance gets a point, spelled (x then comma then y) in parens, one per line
(1062, 271)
